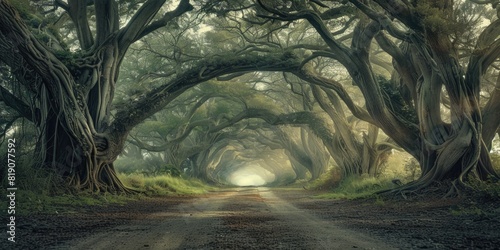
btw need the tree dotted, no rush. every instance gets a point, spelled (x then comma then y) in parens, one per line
(421, 37)
(207, 117)
(73, 88)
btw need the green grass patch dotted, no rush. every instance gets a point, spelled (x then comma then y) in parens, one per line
(164, 184)
(326, 181)
(357, 187)
(33, 199)
(467, 211)
(488, 190)
(33, 202)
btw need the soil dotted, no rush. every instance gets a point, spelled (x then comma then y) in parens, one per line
(264, 218)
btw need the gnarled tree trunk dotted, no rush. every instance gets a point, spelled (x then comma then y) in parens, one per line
(73, 96)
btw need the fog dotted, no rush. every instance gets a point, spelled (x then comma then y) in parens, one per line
(250, 175)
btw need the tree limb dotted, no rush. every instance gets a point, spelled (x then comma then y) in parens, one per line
(77, 10)
(135, 112)
(184, 6)
(17, 104)
(62, 4)
(140, 24)
(106, 20)
(357, 111)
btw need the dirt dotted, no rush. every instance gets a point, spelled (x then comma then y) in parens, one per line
(263, 218)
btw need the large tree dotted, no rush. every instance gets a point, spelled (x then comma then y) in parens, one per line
(72, 87)
(436, 56)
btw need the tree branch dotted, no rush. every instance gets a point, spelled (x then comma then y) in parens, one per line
(62, 4)
(106, 20)
(78, 13)
(383, 20)
(357, 111)
(17, 104)
(130, 33)
(183, 7)
(135, 112)
(138, 27)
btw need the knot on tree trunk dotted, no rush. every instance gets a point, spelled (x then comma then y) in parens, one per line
(101, 144)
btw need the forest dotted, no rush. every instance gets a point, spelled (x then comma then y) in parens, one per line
(381, 99)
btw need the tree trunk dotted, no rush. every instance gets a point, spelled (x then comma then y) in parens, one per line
(450, 151)
(446, 151)
(73, 95)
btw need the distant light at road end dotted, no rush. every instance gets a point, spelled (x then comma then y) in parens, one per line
(252, 175)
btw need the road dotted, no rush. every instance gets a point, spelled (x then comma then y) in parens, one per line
(241, 218)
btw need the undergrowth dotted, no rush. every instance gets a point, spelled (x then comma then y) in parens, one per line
(326, 181)
(356, 187)
(164, 184)
(32, 200)
(37, 192)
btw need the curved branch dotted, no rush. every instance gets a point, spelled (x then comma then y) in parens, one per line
(357, 111)
(184, 6)
(337, 12)
(402, 12)
(138, 22)
(316, 21)
(135, 112)
(140, 25)
(384, 20)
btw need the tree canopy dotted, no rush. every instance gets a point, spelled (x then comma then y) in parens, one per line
(208, 83)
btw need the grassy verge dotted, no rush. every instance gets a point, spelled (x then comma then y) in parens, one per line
(356, 187)
(33, 199)
(164, 184)
(34, 202)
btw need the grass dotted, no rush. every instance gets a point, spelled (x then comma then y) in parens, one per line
(357, 187)
(32, 202)
(164, 184)
(467, 211)
(38, 196)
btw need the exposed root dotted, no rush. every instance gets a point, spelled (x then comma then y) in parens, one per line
(454, 191)
(416, 189)
(104, 181)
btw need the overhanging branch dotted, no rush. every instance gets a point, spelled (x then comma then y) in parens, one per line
(131, 114)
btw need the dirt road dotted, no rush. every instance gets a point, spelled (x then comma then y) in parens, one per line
(243, 218)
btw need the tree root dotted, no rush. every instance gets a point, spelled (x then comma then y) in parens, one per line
(418, 189)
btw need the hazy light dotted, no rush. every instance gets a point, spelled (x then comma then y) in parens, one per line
(252, 175)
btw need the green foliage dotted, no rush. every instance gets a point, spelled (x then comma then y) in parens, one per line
(152, 166)
(488, 190)
(161, 127)
(168, 169)
(395, 101)
(356, 187)
(436, 17)
(28, 176)
(326, 181)
(128, 165)
(26, 10)
(413, 169)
